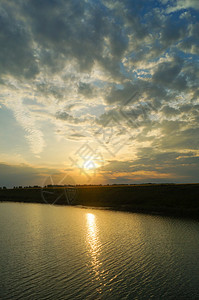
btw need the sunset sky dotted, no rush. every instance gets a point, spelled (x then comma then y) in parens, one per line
(101, 91)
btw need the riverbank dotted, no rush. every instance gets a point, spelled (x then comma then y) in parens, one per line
(165, 199)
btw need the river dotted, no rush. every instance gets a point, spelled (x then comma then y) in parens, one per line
(63, 252)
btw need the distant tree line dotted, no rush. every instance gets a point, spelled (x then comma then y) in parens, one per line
(3, 188)
(79, 185)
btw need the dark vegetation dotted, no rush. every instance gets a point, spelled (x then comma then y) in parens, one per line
(167, 199)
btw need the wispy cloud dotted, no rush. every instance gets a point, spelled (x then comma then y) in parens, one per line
(23, 116)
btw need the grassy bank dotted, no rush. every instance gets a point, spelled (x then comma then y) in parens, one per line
(168, 199)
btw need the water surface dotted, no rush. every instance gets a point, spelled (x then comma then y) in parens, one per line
(57, 252)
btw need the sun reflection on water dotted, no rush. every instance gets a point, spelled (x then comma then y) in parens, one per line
(94, 248)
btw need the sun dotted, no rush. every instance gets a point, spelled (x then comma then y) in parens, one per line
(91, 163)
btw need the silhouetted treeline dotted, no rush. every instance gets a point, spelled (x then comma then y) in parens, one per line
(167, 199)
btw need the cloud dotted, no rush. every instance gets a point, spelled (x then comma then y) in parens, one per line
(191, 43)
(179, 139)
(183, 4)
(154, 166)
(69, 67)
(167, 72)
(71, 30)
(85, 89)
(127, 93)
(17, 55)
(23, 174)
(33, 134)
(62, 115)
(168, 110)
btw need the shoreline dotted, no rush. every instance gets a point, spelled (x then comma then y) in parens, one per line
(172, 200)
(171, 214)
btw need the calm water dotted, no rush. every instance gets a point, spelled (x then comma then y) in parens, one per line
(54, 252)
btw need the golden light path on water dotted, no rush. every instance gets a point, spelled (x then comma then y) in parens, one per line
(94, 250)
(75, 253)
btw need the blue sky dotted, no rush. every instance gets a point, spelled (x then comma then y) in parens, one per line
(101, 91)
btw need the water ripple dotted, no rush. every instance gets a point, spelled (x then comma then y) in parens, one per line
(72, 253)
